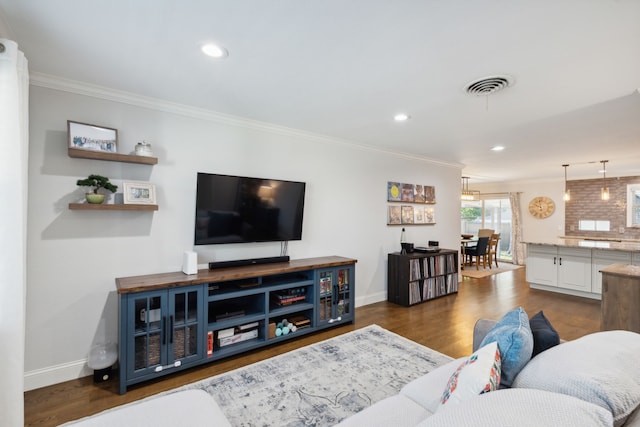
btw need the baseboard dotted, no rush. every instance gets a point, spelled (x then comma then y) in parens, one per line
(56, 374)
(371, 299)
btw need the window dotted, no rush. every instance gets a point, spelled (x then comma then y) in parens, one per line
(633, 205)
(593, 225)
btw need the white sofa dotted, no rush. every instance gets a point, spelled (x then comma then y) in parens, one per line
(591, 381)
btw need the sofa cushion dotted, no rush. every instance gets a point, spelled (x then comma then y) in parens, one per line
(522, 408)
(395, 410)
(601, 368)
(480, 373)
(515, 342)
(544, 335)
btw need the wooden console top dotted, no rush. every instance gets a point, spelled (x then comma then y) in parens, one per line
(174, 279)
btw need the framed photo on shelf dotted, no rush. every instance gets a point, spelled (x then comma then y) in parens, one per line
(407, 214)
(139, 193)
(418, 216)
(407, 192)
(418, 193)
(429, 216)
(395, 215)
(393, 191)
(91, 137)
(429, 194)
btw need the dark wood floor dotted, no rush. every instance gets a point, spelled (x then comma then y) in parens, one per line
(444, 324)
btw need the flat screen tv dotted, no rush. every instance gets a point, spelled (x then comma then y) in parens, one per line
(237, 209)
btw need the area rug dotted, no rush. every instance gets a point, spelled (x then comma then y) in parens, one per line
(323, 383)
(470, 270)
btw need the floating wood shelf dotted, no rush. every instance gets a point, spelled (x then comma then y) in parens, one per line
(111, 207)
(111, 157)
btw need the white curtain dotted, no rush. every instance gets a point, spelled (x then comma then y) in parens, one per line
(516, 229)
(14, 142)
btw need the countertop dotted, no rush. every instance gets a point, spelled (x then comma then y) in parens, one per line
(614, 245)
(623, 270)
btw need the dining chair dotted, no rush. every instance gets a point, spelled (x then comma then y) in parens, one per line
(480, 250)
(493, 248)
(485, 232)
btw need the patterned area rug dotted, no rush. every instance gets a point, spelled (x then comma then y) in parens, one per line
(323, 383)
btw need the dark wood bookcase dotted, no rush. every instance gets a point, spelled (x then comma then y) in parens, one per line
(418, 277)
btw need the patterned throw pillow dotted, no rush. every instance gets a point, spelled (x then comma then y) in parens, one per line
(480, 373)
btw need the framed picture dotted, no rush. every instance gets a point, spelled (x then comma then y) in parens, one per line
(90, 137)
(393, 191)
(418, 193)
(429, 194)
(407, 214)
(395, 215)
(429, 216)
(139, 193)
(407, 193)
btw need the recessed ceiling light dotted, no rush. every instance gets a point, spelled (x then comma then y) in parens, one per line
(497, 148)
(215, 51)
(401, 117)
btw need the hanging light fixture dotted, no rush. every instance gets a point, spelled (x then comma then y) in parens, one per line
(466, 194)
(604, 192)
(567, 194)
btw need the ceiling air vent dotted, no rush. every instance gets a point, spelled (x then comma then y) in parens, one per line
(488, 85)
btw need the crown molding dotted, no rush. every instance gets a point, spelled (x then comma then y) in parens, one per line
(87, 89)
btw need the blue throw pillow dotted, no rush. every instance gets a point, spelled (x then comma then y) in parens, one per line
(515, 342)
(544, 335)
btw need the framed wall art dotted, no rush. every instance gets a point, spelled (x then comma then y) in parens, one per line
(410, 197)
(91, 137)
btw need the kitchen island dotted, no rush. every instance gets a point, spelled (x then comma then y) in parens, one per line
(572, 265)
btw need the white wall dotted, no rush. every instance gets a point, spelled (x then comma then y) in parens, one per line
(533, 229)
(74, 256)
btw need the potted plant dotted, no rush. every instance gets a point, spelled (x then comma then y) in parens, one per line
(96, 182)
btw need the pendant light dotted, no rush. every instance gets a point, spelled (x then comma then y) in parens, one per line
(604, 192)
(466, 194)
(567, 194)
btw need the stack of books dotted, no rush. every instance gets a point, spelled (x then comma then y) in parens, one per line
(288, 296)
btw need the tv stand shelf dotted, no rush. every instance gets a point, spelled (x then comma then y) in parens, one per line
(173, 321)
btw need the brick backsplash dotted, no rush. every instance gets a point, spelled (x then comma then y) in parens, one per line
(585, 204)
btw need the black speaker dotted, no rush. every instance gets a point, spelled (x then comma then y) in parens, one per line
(250, 261)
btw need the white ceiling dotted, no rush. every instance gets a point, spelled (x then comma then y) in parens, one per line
(344, 68)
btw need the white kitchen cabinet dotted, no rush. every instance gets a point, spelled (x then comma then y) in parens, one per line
(542, 265)
(562, 268)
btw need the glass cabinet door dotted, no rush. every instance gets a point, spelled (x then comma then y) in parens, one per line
(184, 324)
(147, 314)
(335, 295)
(325, 301)
(343, 293)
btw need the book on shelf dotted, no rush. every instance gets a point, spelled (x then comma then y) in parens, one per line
(289, 296)
(237, 333)
(300, 321)
(239, 337)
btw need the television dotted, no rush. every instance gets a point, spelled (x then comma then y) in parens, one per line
(238, 209)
